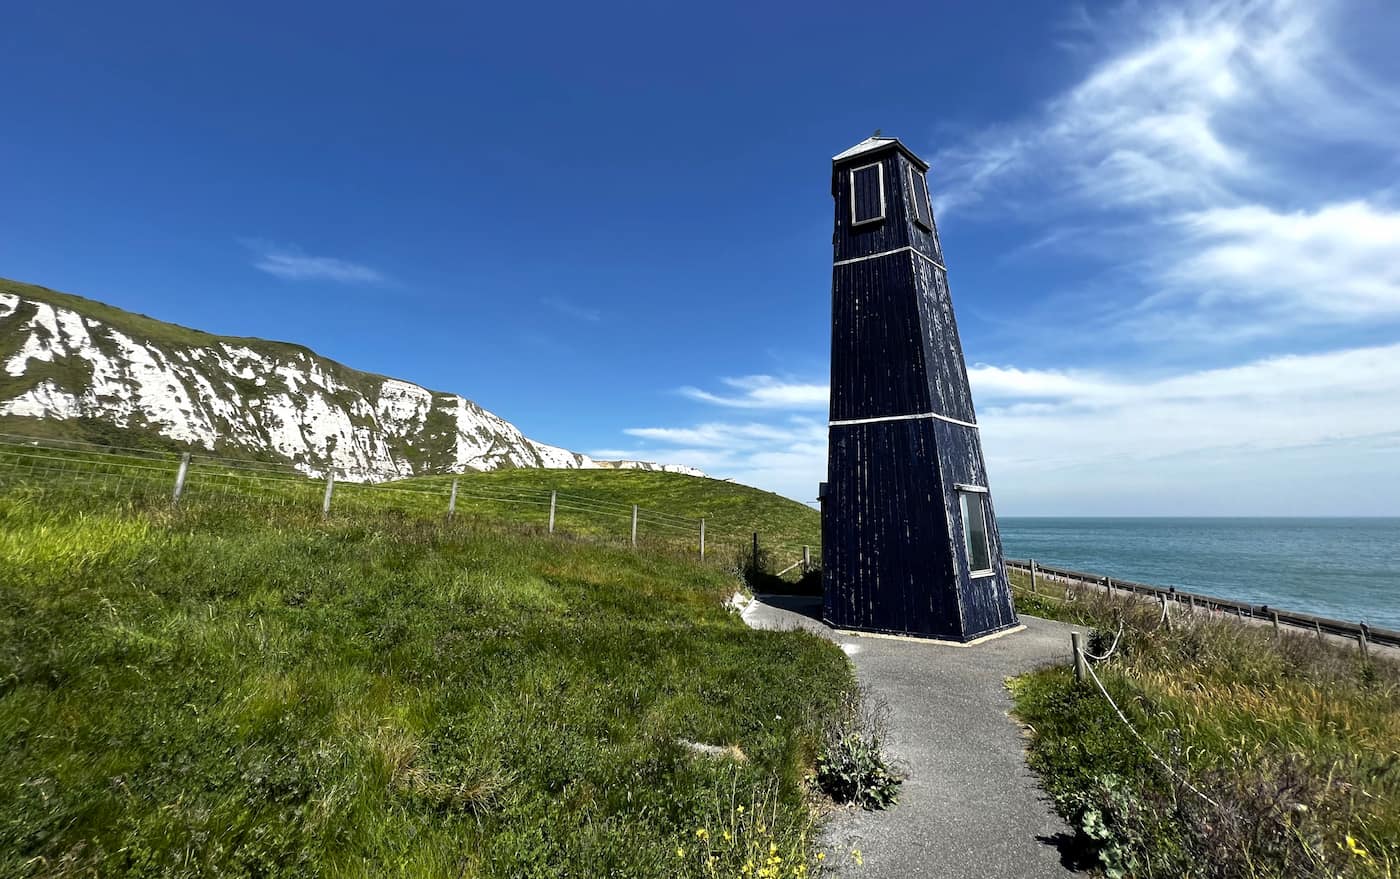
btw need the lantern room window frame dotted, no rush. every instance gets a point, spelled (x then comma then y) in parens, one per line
(884, 208)
(965, 494)
(923, 209)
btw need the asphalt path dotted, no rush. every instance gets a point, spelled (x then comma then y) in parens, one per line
(969, 806)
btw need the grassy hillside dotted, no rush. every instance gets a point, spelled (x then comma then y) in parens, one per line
(244, 688)
(732, 512)
(1295, 742)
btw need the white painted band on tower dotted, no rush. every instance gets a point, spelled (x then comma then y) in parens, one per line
(920, 416)
(911, 249)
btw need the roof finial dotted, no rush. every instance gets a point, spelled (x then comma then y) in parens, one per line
(877, 133)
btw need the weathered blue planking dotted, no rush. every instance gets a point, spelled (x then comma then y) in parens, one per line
(903, 438)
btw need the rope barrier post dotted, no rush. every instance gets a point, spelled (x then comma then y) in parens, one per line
(1076, 644)
(1273, 618)
(1137, 735)
(1191, 603)
(553, 499)
(634, 526)
(1108, 582)
(702, 538)
(1166, 614)
(1032, 576)
(452, 502)
(806, 558)
(1362, 636)
(326, 501)
(1318, 626)
(179, 477)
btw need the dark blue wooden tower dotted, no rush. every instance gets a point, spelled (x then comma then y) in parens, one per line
(909, 539)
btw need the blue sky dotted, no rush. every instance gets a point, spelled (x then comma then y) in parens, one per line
(1173, 231)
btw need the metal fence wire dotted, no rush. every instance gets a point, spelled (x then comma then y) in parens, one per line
(92, 476)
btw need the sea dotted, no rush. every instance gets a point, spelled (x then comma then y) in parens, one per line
(1347, 569)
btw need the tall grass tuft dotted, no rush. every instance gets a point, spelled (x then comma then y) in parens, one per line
(1293, 743)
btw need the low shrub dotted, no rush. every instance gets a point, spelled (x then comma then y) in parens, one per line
(851, 766)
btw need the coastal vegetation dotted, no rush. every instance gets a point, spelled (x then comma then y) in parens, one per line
(242, 687)
(1279, 752)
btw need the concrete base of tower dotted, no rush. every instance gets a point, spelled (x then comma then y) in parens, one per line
(972, 641)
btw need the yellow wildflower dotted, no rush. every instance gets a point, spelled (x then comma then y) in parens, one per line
(855, 856)
(680, 852)
(728, 837)
(821, 856)
(1355, 847)
(702, 834)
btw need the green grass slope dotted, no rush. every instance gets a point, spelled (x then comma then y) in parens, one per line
(1295, 742)
(597, 502)
(242, 688)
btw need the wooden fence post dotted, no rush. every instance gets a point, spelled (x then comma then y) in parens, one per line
(1273, 617)
(553, 497)
(1108, 582)
(330, 489)
(1032, 576)
(1362, 636)
(180, 478)
(634, 526)
(1078, 647)
(702, 538)
(452, 502)
(806, 558)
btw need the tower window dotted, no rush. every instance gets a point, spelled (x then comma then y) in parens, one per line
(867, 194)
(974, 516)
(918, 188)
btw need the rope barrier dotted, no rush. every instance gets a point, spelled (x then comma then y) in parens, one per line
(1137, 735)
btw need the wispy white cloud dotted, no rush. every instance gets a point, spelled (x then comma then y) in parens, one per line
(573, 310)
(719, 435)
(763, 392)
(1199, 129)
(786, 456)
(1170, 113)
(1115, 444)
(1338, 262)
(1064, 441)
(291, 263)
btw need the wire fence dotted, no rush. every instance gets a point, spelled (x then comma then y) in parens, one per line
(1195, 602)
(92, 476)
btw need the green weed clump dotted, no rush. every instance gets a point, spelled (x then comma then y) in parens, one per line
(852, 766)
(1285, 749)
(253, 691)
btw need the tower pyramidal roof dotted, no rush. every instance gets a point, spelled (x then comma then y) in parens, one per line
(877, 143)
